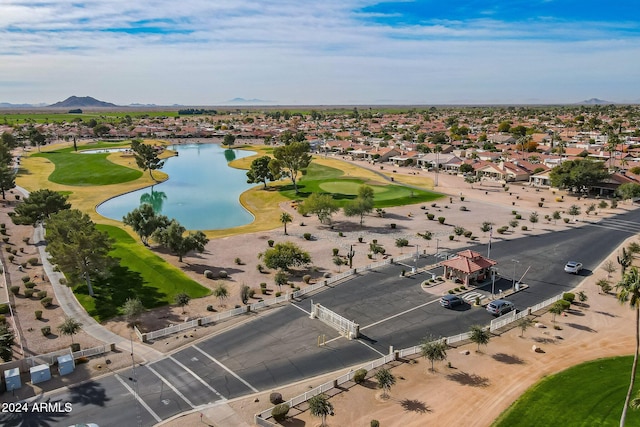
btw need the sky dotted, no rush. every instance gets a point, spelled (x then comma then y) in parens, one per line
(329, 52)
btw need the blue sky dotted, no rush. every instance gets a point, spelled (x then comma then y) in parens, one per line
(207, 52)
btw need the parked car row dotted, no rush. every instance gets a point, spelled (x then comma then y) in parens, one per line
(497, 307)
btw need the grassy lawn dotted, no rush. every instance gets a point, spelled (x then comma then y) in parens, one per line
(321, 178)
(590, 394)
(141, 274)
(73, 168)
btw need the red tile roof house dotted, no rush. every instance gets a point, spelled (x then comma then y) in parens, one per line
(468, 266)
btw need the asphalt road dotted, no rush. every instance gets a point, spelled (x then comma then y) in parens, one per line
(280, 346)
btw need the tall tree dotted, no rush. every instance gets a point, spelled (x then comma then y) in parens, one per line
(146, 157)
(320, 407)
(362, 205)
(145, 221)
(578, 175)
(629, 190)
(70, 327)
(629, 292)
(173, 238)
(7, 340)
(294, 158)
(9, 140)
(131, 309)
(385, 381)
(433, 350)
(39, 206)
(321, 205)
(229, 140)
(285, 255)
(77, 247)
(263, 169)
(7, 178)
(284, 219)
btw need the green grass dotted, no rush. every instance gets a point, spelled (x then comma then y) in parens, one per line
(101, 117)
(141, 274)
(324, 179)
(590, 394)
(87, 169)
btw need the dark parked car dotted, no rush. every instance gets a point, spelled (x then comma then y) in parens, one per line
(450, 301)
(500, 307)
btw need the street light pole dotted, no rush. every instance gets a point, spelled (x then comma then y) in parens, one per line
(514, 272)
(493, 283)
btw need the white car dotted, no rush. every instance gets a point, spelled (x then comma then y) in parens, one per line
(573, 267)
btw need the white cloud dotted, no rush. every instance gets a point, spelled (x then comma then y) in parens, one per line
(206, 52)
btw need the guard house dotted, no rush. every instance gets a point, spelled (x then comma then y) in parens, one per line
(469, 267)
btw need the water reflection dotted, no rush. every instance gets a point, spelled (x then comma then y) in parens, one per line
(155, 199)
(230, 155)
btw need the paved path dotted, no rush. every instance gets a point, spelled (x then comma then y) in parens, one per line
(72, 308)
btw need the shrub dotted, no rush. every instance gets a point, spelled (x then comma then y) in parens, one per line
(270, 243)
(502, 229)
(393, 225)
(46, 330)
(210, 308)
(251, 293)
(14, 252)
(7, 248)
(441, 219)
(451, 237)
(29, 285)
(275, 398)
(238, 261)
(306, 278)
(307, 236)
(25, 279)
(46, 302)
(463, 208)
(462, 198)
(41, 294)
(430, 216)
(540, 204)
(566, 220)
(38, 314)
(260, 268)
(374, 423)
(23, 264)
(208, 274)
(359, 375)
(3, 319)
(518, 216)
(524, 228)
(278, 294)
(514, 212)
(223, 274)
(340, 234)
(468, 234)
(15, 290)
(62, 281)
(456, 289)
(11, 258)
(4, 308)
(28, 293)
(564, 304)
(25, 240)
(558, 199)
(335, 251)
(279, 412)
(569, 296)
(263, 285)
(360, 239)
(451, 291)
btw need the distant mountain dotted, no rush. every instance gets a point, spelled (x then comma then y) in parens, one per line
(9, 105)
(137, 105)
(246, 101)
(595, 101)
(81, 101)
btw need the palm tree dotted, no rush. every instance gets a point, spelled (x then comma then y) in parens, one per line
(479, 335)
(629, 291)
(70, 327)
(385, 380)
(434, 350)
(284, 219)
(319, 406)
(221, 292)
(524, 324)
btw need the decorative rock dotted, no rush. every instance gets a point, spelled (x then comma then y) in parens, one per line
(465, 352)
(540, 325)
(534, 348)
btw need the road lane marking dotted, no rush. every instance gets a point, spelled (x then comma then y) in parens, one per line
(171, 386)
(255, 390)
(138, 398)
(206, 384)
(398, 314)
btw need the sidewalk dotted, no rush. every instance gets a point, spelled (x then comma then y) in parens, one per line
(72, 308)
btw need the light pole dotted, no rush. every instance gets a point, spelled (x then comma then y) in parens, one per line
(437, 246)
(493, 283)
(514, 271)
(416, 259)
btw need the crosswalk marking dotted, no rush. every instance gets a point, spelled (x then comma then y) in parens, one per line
(138, 398)
(471, 296)
(255, 390)
(175, 390)
(617, 224)
(204, 383)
